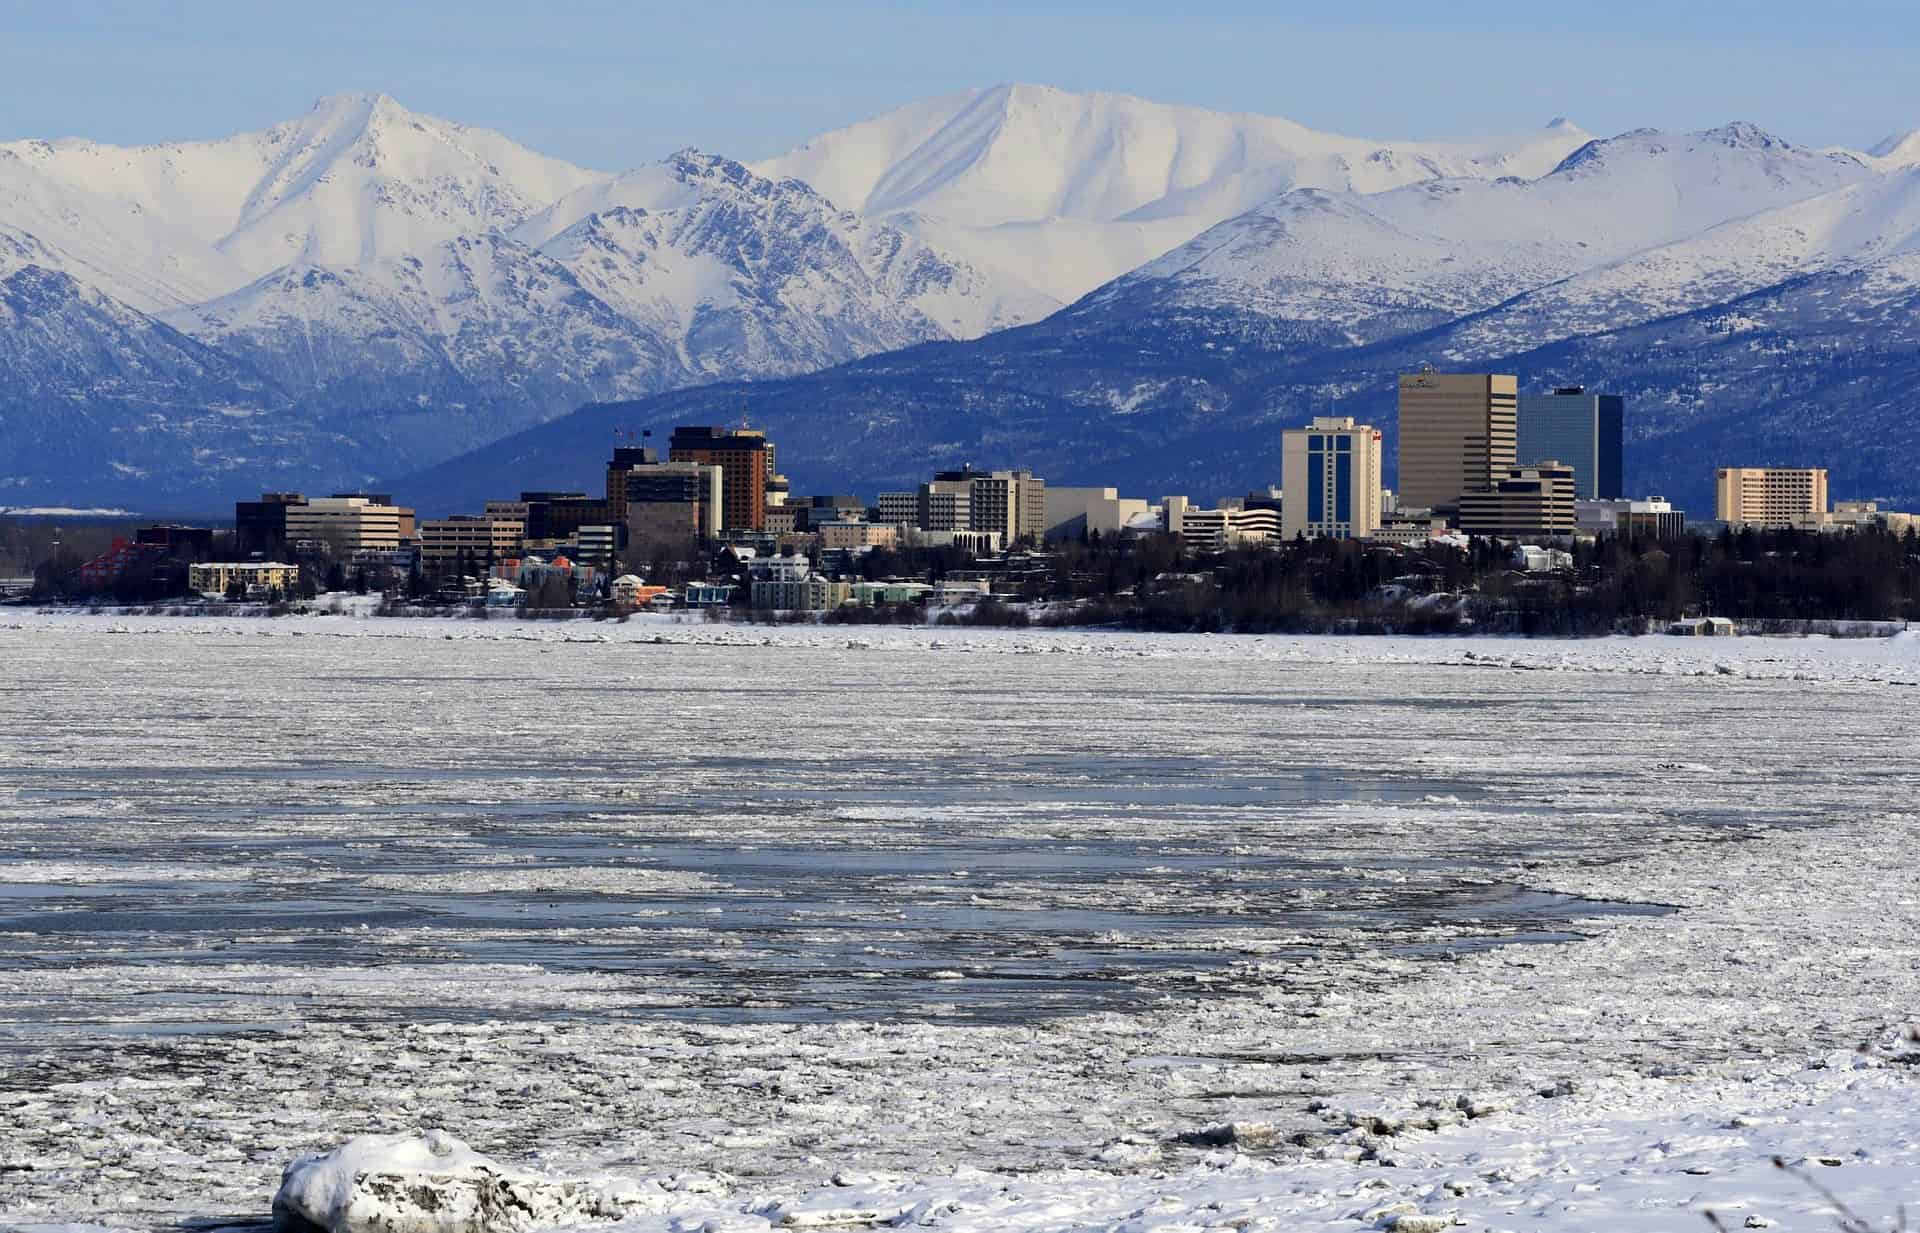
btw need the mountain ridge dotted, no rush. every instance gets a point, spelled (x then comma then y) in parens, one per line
(365, 290)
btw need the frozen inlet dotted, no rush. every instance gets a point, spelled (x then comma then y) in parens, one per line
(431, 1183)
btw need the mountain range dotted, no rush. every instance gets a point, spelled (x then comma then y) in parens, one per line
(1108, 289)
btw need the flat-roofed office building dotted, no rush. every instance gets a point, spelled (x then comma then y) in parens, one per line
(1330, 475)
(1769, 496)
(673, 504)
(1578, 430)
(479, 540)
(1522, 502)
(745, 458)
(1456, 435)
(347, 523)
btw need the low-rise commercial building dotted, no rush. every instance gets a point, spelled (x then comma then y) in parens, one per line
(1534, 500)
(853, 536)
(1078, 513)
(1226, 526)
(1411, 528)
(470, 542)
(345, 523)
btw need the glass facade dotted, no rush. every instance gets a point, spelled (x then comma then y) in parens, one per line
(1578, 429)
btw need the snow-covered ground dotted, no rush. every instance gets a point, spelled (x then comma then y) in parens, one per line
(960, 929)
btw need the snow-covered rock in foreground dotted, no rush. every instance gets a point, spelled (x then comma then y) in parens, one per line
(431, 1183)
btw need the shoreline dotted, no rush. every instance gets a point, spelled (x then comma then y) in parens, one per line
(1707, 1039)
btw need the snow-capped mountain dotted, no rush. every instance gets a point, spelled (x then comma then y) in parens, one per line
(752, 275)
(687, 271)
(365, 291)
(1372, 265)
(359, 178)
(1071, 190)
(1755, 301)
(367, 262)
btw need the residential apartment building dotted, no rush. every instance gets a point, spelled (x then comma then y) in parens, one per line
(255, 577)
(789, 584)
(346, 523)
(1526, 501)
(1579, 430)
(1457, 432)
(1330, 478)
(476, 539)
(673, 504)
(1769, 496)
(746, 461)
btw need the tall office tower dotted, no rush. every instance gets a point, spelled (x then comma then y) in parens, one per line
(1580, 430)
(745, 459)
(625, 458)
(261, 526)
(1456, 435)
(673, 504)
(1330, 480)
(1769, 496)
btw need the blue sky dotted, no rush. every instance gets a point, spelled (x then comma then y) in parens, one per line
(615, 84)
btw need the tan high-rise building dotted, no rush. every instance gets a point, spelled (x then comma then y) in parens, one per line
(1457, 433)
(745, 459)
(1769, 496)
(1330, 475)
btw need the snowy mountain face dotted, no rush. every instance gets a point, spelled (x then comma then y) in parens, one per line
(688, 271)
(1072, 190)
(1380, 264)
(1754, 301)
(366, 291)
(367, 264)
(357, 179)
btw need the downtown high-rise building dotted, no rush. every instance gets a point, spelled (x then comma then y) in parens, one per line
(745, 459)
(1578, 429)
(1330, 473)
(1456, 435)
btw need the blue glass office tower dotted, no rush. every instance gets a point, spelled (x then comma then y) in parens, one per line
(1579, 430)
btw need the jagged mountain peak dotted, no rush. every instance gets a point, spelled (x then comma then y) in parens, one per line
(1736, 140)
(1743, 134)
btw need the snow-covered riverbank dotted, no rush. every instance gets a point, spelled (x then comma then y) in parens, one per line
(1376, 1065)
